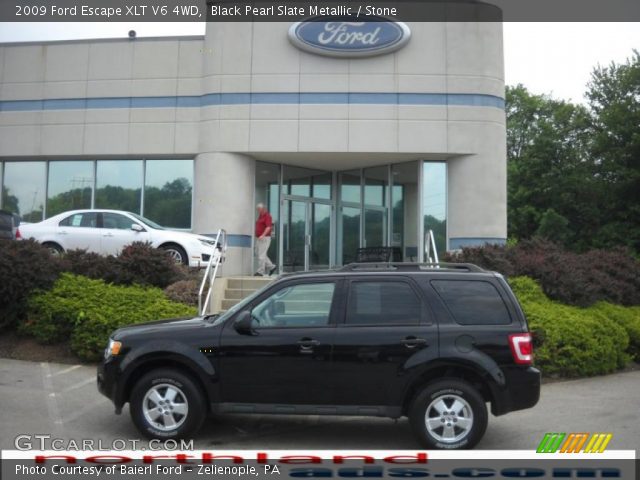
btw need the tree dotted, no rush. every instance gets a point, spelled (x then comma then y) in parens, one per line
(549, 167)
(614, 98)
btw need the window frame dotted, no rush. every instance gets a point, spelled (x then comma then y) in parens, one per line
(426, 315)
(497, 288)
(335, 302)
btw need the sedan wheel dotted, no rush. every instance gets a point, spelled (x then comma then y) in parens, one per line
(178, 255)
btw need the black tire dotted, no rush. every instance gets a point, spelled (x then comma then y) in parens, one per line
(54, 248)
(177, 253)
(464, 427)
(187, 392)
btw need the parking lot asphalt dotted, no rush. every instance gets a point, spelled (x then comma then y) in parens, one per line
(62, 401)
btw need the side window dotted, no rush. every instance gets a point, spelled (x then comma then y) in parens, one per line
(473, 302)
(88, 220)
(113, 220)
(383, 303)
(304, 305)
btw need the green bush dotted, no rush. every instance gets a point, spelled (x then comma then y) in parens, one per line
(629, 319)
(575, 341)
(24, 267)
(86, 311)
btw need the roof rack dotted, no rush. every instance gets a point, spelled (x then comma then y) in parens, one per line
(442, 266)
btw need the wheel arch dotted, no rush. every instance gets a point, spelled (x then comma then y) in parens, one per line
(158, 360)
(477, 378)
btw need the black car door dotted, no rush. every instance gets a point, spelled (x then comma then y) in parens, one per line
(384, 339)
(287, 358)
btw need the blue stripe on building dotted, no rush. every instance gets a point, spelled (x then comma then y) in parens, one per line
(216, 99)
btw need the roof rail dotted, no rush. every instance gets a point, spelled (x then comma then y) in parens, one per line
(410, 266)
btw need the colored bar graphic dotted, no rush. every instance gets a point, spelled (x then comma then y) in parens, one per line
(574, 442)
(550, 442)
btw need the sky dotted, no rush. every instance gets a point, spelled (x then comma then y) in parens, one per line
(550, 58)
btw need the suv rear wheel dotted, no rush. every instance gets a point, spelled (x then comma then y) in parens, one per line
(166, 403)
(449, 414)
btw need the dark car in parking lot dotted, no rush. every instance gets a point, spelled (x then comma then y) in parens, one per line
(9, 223)
(434, 343)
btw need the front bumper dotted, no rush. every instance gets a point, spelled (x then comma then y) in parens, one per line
(107, 383)
(521, 390)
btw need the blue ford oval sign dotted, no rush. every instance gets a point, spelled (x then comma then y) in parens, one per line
(341, 37)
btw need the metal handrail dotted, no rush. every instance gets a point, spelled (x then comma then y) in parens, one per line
(429, 244)
(219, 252)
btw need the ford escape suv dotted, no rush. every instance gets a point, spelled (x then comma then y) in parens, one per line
(434, 343)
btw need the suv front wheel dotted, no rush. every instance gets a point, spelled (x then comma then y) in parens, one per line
(448, 414)
(166, 403)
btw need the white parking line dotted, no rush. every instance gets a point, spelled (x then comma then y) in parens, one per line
(81, 384)
(52, 404)
(65, 370)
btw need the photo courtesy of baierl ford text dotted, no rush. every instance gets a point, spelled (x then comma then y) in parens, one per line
(319, 239)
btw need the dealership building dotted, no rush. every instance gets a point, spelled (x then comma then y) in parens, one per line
(353, 134)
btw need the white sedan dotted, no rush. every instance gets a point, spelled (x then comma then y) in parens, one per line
(108, 231)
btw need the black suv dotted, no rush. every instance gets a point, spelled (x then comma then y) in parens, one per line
(435, 343)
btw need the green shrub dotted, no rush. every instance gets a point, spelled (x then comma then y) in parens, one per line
(575, 341)
(25, 266)
(87, 311)
(629, 319)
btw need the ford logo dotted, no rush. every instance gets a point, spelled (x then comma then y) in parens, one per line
(342, 37)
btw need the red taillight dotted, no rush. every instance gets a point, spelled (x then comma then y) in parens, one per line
(521, 348)
(18, 234)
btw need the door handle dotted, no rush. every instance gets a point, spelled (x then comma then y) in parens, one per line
(308, 343)
(63, 232)
(413, 342)
(108, 235)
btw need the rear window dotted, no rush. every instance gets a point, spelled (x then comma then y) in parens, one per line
(473, 302)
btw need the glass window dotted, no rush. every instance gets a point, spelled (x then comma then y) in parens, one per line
(119, 222)
(70, 185)
(383, 303)
(434, 198)
(24, 188)
(404, 204)
(375, 187)
(306, 305)
(473, 302)
(350, 186)
(119, 185)
(87, 220)
(168, 191)
(350, 218)
(305, 182)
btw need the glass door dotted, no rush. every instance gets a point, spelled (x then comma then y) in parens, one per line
(306, 235)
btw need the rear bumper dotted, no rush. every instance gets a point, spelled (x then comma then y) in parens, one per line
(521, 390)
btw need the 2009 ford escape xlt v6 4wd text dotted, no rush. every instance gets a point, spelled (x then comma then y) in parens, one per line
(433, 343)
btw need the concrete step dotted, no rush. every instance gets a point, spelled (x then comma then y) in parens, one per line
(237, 293)
(227, 304)
(248, 283)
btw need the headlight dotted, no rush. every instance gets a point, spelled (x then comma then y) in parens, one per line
(112, 349)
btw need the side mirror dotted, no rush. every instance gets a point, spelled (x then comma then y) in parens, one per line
(136, 228)
(244, 323)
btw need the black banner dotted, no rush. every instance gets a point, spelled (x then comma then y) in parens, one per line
(297, 10)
